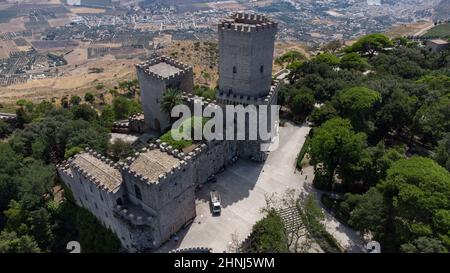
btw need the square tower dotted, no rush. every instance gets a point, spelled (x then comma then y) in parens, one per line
(246, 47)
(155, 77)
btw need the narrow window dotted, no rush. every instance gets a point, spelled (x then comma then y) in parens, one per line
(137, 192)
(261, 68)
(234, 70)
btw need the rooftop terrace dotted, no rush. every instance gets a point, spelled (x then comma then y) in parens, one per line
(101, 171)
(165, 70)
(154, 163)
(247, 22)
(164, 67)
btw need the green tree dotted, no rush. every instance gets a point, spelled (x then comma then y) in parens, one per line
(335, 146)
(416, 191)
(327, 58)
(39, 149)
(354, 61)
(436, 82)
(34, 183)
(302, 103)
(170, 99)
(4, 128)
(290, 57)
(75, 100)
(370, 44)
(121, 107)
(357, 103)
(369, 213)
(11, 243)
(107, 117)
(357, 100)
(268, 236)
(65, 102)
(10, 163)
(89, 97)
(442, 152)
(24, 116)
(424, 245)
(41, 228)
(396, 113)
(432, 119)
(85, 112)
(379, 161)
(16, 218)
(332, 46)
(323, 113)
(72, 151)
(119, 149)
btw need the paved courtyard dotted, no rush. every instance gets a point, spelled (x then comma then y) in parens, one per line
(243, 187)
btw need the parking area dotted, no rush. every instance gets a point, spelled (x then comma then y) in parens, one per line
(243, 187)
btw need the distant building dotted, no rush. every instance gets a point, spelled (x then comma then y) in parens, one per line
(437, 45)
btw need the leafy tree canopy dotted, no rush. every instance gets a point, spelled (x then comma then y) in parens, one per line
(370, 44)
(327, 58)
(354, 61)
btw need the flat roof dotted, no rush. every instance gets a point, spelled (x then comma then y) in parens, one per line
(164, 69)
(108, 176)
(153, 163)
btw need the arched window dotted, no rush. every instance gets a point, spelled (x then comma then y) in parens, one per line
(137, 191)
(119, 201)
(234, 70)
(261, 68)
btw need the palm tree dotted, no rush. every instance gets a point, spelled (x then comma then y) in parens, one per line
(170, 99)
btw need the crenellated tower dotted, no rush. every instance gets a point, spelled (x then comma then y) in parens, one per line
(246, 48)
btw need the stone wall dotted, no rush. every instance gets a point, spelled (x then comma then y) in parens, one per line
(153, 86)
(246, 48)
(93, 197)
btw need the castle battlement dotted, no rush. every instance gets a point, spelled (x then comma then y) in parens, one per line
(136, 117)
(191, 100)
(230, 98)
(95, 167)
(133, 214)
(155, 164)
(64, 168)
(247, 22)
(164, 68)
(151, 194)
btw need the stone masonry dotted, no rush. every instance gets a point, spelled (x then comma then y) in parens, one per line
(155, 77)
(148, 197)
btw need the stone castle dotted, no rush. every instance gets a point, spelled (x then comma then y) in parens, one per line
(147, 198)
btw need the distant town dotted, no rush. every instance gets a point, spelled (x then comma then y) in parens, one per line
(51, 39)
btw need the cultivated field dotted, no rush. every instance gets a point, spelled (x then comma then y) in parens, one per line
(408, 29)
(439, 31)
(76, 79)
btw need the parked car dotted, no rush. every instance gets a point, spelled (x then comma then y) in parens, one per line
(215, 202)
